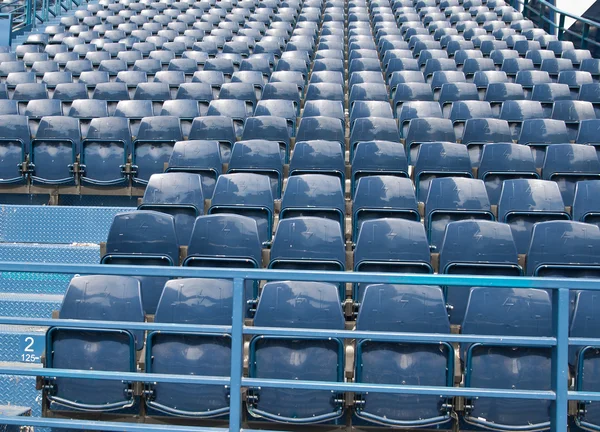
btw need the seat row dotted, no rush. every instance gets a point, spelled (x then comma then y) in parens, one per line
(315, 305)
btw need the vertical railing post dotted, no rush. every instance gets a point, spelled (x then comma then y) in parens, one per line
(237, 353)
(585, 32)
(560, 359)
(561, 27)
(526, 9)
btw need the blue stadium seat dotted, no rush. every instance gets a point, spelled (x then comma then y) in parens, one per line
(463, 110)
(510, 312)
(585, 207)
(179, 195)
(185, 110)
(554, 66)
(525, 202)
(200, 302)
(328, 91)
(504, 161)
(566, 164)
(314, 195)
(260, 157)
(153, 146)
(318, 157)
(407, 92)
(540, 133)
(592, 66)
(144, 238)
(199, 92)
(452, 92)
(575, 79)
(491, 251)
(378, 157)
(417, 109)
(497, 93)
(370, 129)
(54, 150)
(297, 305)
(284, 91)
(15, 144)
(107, 350)
(439, 159)
(217, 128)
(584, 359)
(226, 240)
(240, 91)
(422, 130)
(36, 109)
(530, 78)
(590, 93)
(269, 128)
(515, 112)
(363, 109)
(199, 157)
(379, 196)
(563, 249)
(104, 152)
(232, 108)
(384, 308)
(453, 199)
(246, 194)
(572, 112)
(321, 128)
(479, 131)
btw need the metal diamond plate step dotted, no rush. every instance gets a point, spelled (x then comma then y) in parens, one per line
(21, 282)
(29, 305)
(53, 224)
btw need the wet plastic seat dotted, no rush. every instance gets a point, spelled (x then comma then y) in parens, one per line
(200, 302)
(314, 195)
(153, 146)
(439, 159)
(279, 108)
(261, 157)
(321, 128)
(246, 194)
(479, 131)
(423, 130)
(104, 151)
(403, 308)
(15, 142)
(453, 199)
(199, 157)
(215, 128)
(54, 150)
(540, 134)
(502, 162)
(515, 112)
(97, 349)
(229, 241)
(572, 113)
(525, 202)
(318, 156)
(383, 196)
(372, 128)
(508, 312)
(297, 305)
(566, 164)
(144, 238)
(585, 206)
(179, 195)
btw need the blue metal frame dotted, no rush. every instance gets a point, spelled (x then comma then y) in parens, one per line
(558, 29)
(559, 395)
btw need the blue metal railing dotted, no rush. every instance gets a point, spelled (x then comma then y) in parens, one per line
(544, 14)
(559, 343)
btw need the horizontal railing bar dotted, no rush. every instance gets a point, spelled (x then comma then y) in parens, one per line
(404, 337)
(561, 12)
(321, 276)
(584, 341)
(399, 389)
(115, 325)
(102, 426)
(115, 376)
(584, 396)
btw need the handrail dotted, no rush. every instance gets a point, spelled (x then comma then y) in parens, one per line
(559, 29)
(559, 394)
